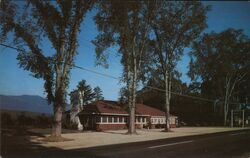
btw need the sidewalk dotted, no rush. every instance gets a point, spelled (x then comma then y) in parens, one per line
(92, 139)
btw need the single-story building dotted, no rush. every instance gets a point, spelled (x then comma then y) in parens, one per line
(111, 115)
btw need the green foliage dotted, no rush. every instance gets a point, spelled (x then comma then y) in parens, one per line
(190, 111)
(43, 120)
(33, 21)
(58, 22)
(175, 26)
(156, 98)
(126, 25)
(123, 95)
(87, 92)
(98, 93)
(17, 119)
(6, 120)
(217, 56)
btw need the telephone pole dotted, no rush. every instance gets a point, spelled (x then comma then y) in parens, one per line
(232, 118)
(243, 118)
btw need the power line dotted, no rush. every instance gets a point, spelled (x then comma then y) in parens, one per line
(113, 77)
(8, 46)
(151, 87)
(183, 95)
(116, 78)
(99, 73)
(21, 50)
(107, 50)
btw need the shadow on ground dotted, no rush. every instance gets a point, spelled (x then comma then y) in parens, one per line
(17, 143)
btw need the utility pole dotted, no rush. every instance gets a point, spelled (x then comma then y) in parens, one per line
(243, 113)
(243, 118)
(232, 118)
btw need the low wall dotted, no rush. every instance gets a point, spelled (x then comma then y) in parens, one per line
(103, 127)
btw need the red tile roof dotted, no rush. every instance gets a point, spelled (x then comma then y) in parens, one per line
(112, 107)
(147, 110)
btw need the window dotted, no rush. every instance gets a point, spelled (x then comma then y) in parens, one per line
(152, 120)
(104, 118)
(125, 119)
(145, 119)
(115, 119)
(138, 119)
(120, 119)
(109, 119)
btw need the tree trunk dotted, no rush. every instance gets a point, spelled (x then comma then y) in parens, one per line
(57, 121)
(58, 105)
(225, 117)
(132, 92)
(230, 85)
(227, 96)
(226, 107)
(167, 101)
(131, 129)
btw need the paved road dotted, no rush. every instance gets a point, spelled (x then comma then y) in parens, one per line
(221, 145)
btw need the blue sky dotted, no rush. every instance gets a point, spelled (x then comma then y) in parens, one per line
(16, 81)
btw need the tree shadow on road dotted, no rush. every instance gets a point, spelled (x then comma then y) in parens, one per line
(18, 143)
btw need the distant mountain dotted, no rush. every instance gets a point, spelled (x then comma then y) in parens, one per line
(30, 103)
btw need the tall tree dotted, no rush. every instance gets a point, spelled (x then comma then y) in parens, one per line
(86, 92)
(221, 61)
(155, 97)
(76, 102)
(37, 21)
(98, 93)
(126, 25)
(175, 26)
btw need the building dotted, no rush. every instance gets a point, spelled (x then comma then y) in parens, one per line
(111, 115)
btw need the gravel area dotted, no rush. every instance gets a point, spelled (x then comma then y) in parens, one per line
(93, 139)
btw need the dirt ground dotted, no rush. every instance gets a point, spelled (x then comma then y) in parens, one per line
(93, 139)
